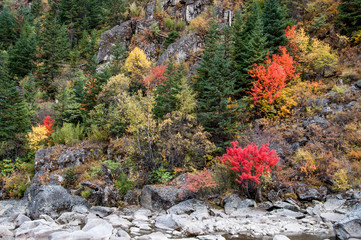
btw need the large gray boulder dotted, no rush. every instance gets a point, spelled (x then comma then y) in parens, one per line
(350, 226)
(181, 49)
(51, 200)
(162, 197)
(123, 32)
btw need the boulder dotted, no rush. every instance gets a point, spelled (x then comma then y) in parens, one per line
(188, 207)
(350, 225)
(181, 49)
(280, 237)
(102, 211)
(51, 200)
(234, 203)
(307, 193)
(123, 32)
(162, 197)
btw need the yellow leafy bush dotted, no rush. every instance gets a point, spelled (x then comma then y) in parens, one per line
(37, 137)
(137, 64)
(115, 86)
(306, 162)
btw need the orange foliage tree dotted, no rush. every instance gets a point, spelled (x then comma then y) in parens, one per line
(271, 78)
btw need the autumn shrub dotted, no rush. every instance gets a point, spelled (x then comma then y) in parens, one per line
(155, 77)
(305, 162)
(251, 163)
(199, 181)
(200, 24)
(114, 86)
(161, 175)
(37, 137)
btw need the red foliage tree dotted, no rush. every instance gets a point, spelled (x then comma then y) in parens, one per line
(155, 77)
(272, 77)
(251, 162)
(48, 123)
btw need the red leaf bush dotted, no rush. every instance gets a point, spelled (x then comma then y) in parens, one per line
(251, 162)
(48, 124)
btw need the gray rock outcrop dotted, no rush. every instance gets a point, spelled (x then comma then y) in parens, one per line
(181, 49)
(123, 32)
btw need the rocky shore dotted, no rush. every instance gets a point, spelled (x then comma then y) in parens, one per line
(52, 213)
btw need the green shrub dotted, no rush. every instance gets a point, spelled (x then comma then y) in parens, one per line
(174, 25)
(70, 177)
(160, 176)
(97, 134)
(86, 193)
(68, 134)
(123, 184)
(8, 166)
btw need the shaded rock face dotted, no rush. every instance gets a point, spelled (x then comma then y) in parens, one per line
(181, 49)
(188, 9)
(59, 157)
(307, 193)
(51, 200)
(350, 226)
(162, 197)
(108, 38)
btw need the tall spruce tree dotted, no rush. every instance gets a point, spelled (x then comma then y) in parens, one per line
(54, 49)
(166, 100)
(249, 45)
(215, 87)
(23, 54)
(8, 32)
(349, 16)
(14, 118)
(274, 20)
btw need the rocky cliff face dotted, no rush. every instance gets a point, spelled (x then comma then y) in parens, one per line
(133, 33)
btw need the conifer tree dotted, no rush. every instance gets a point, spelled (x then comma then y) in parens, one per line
(167, 91)
(274, 25)
(214, 86)
(349, 16)
(7, 28)
(23, 54)
(14, 117)
(249, 45)
(54, 49)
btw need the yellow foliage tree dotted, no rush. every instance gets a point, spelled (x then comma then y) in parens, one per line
(137, 64)
(115, 86)
(37, 137)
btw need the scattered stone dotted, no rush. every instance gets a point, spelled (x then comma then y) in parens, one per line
(5, 232)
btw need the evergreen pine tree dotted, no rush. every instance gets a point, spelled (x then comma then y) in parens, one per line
(249, 45)
(23, 54)
(274, 25)
(118, 51)
(215, 88)
(54, 49)
(8, 24)
(14, 117)
(167, 91)
(349, 16)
